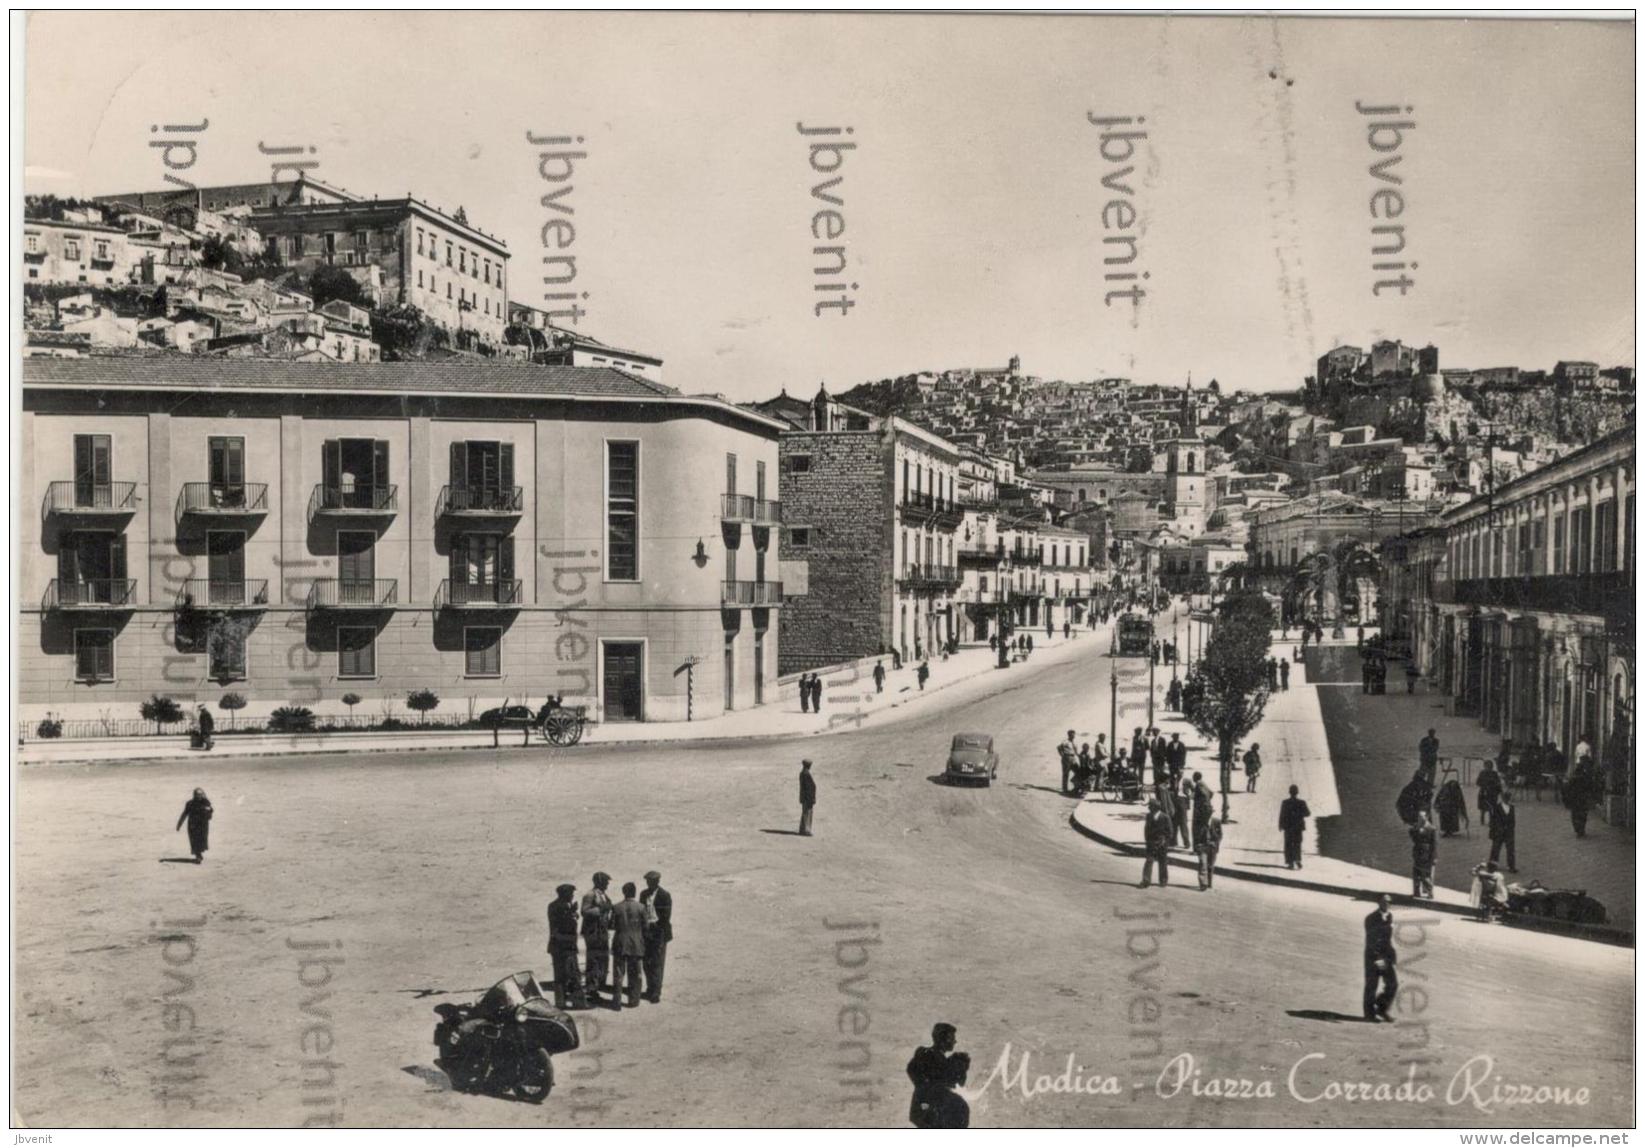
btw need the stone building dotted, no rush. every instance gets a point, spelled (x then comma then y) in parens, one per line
(297, 532)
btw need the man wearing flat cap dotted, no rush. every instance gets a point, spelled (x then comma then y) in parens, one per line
(658, 932)
(597, 936)
(562, 948)
(808, 797)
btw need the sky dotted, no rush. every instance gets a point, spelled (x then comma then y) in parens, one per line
(973, 204)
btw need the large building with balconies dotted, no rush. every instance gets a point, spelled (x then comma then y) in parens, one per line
(297, 533)
(1523, 609)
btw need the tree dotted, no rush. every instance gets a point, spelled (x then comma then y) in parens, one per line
(1230, 685)
(1139, 459)
(162, 711)
(229, 703)
(328, 283)
(404, 332)
(1357, 568)
(351, 700)
(421, 701)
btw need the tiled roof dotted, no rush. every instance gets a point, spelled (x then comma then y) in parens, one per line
(482, 377)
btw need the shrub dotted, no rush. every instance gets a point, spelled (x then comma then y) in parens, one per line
(162, 711)
(421, 702)
(291, 719)
(391, 723)
(329, 283)
(49, 727)
(229, 703)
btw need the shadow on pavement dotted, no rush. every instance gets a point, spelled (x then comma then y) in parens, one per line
(1325, 1015)
(783, 832)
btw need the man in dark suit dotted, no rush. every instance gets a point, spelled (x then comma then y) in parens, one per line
(1176, 758)
(1503, 819)
(1293, 822)
(657, 934)
(1203, 806)
(1156, 843)
(597, 936)
(562, 948)
(1379, 963)
(628, 920)
(1157, 751)
(808, 797)
(936, 1070)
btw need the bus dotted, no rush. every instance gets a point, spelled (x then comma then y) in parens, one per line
(1136, 635)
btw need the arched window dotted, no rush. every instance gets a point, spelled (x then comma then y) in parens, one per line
(1190, 462)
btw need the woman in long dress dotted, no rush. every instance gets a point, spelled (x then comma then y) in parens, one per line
(1452, 806)
(198, 815)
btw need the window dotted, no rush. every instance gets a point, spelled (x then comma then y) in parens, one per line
(462, 259)
(34, 244)
(622, 511)
(71, 249)
(731, 474)
(356, 652)
(419, 276)
(799, 464)
(419, 244)
(362, 240)
(93, 467)
(94, 655)
(448, 253)
(488, 272)
(483, 651)
(799, 536)
(448, 290)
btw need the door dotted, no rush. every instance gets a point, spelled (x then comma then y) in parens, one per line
(226, 567)
(93, 464)
(730, 672)
(759, 667)
(624, 681)
(91, 568)
(356, 567)
(227, 466)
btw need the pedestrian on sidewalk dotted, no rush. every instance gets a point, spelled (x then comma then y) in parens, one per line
(1067, 630)
(1380, 959)
(1583, 749)
(1428, 754)
(1182, 798)
(596, 937)
(1049, 633)
(1156, 843)
(562, 948)
(1284, 676)
(922, 674)
(1581, 792)
(1359, 638)
(628, 921)
(1273, 675)
(197, 812)
(1069, 756)
(1253, 766)
(1099, 759)
(1173, 696)
(1176, 758)
(1411, 675)
(1452, 807)
(808, 797)
(1210, 843)
(1139, 752)
(1085, 778)
(1424, 852)
(879, 672)
(805, 693)
(1156, 755)
(206, 724)
(816, 693)
(1293, 822)
(1503, 818)
(658, 932)
(1489, 782)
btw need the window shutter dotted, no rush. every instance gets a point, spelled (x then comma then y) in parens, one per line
(236, 462)
(68, 564)
(505, 454)
(505, 561)
(379, 469)
(459, 561)
(331, 466)
(459, 465)
(117, 557)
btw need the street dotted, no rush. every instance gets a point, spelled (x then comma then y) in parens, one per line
(804, 972)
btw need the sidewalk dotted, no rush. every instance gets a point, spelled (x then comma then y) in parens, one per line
(1294, 751)
(849, 701)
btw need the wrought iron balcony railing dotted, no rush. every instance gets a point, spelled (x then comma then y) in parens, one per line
(751, 593)
(747, 508)
(931, 577)
(215, 498)
(478, 595)
(353, 593)
(91, 498)
(352, 500)
(221, 594)
(479, 500)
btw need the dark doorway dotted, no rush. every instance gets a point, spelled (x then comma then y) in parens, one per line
(624, 681)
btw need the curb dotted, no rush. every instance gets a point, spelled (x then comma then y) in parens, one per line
(1602, 934)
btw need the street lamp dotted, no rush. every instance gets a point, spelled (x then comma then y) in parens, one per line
(1174, 658)
(1152, 662)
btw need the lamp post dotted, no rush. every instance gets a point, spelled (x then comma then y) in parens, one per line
(1174, 658)
(1114, 691)
(1152, 662)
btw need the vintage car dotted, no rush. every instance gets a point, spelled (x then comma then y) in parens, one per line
(971, 760)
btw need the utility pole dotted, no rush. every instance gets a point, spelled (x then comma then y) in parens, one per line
(1114, 691)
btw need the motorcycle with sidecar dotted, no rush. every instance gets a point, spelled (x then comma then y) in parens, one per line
(504, 1043)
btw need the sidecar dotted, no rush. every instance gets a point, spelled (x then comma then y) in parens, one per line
(503, 1043)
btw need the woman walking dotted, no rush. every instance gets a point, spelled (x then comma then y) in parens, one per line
(198, 815)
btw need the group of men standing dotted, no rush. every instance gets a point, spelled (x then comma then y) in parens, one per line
(1170, 812)
(811, 691)
(638, 929)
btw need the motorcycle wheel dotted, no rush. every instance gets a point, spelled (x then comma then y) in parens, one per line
(536, 1077)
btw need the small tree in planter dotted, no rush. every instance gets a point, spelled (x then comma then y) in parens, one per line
(229, 703)
(291, 719)
(162, 711)
(351, 700)
(421, 701)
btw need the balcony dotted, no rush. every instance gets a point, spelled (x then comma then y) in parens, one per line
(97, 594)
(215, 500)
(91, 500)
(979, 559)
(737, 594)
(220, 594)
(747, 508)
(479, 501)
(353, 593)
(931, 578)
(503, 595)
(1609, 596)
(353, 501)
(1024, 557)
